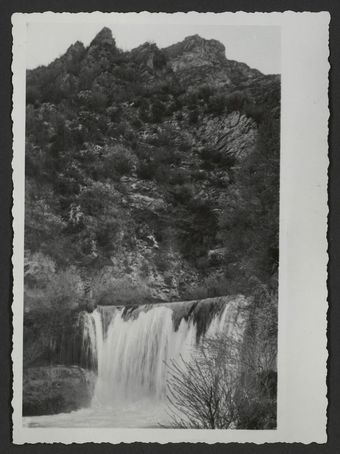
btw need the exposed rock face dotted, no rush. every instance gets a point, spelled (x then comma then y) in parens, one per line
(195, 51)
(104, 37)
(56, 389)
(149, 55)
(197, 61)
(234, 135)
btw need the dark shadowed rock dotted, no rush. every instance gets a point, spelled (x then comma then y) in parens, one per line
(75, 49)
(149, 55)
(104, 37)
(56, 389)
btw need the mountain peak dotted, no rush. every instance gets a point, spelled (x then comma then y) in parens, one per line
(104, 37)
(149, 55)
(196, 51)
(197, 40)
(197, 58)
(76, 48)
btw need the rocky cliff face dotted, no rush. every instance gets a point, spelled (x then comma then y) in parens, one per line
(131, 160)
(197, 60)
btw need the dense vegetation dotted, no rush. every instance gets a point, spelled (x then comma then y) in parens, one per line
(98, 121)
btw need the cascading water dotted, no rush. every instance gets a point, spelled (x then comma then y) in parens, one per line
(130, 349)
(132, 357)
(133, 350)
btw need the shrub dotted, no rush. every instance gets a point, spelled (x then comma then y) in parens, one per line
(97, 198)
(61, 291)
(193, 116)
(65, 290)
(205, 92)
(213, 389)
(121, 291)
(212, 286)
(161, 261)
(38, 269)
(216, 104)
(256, 403)
(122, 162)
(146, 169)
(114, 162)
(254, 111)
(106, 235)
(235, 101)
(201, 391)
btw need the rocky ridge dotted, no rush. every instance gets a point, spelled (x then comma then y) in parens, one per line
(165, 131)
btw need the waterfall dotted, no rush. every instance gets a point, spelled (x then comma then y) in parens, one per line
(132, 347)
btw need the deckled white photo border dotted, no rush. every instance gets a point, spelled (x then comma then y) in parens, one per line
(302, 352)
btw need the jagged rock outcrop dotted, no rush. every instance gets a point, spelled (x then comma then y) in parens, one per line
(234, 135)
(104, 38)
(149, 55)
(196, 60)
(194, 52)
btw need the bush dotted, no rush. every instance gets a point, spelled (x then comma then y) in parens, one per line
(106, 235)
(211, 287)
(219, 388)
(161, 261)
(216, 104)
(60, 291)
(146, 169)
(201, 391)
(256, 403)
(205, 92)
(38, 269)
(97, 199)
(235, 101)
(122, 162)
(257, 396)
(114, 162)
(65, 291)
(121, 291)
(254, 111)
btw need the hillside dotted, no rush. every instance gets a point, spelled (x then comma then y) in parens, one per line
(151, 175)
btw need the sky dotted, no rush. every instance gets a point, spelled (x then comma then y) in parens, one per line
(257, 46)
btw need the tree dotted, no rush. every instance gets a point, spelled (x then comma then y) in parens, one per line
(201, 390)
(229, 381)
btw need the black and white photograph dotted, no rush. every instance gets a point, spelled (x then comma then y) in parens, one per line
(151, 259)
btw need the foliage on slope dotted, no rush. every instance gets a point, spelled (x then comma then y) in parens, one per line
(131, 171)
